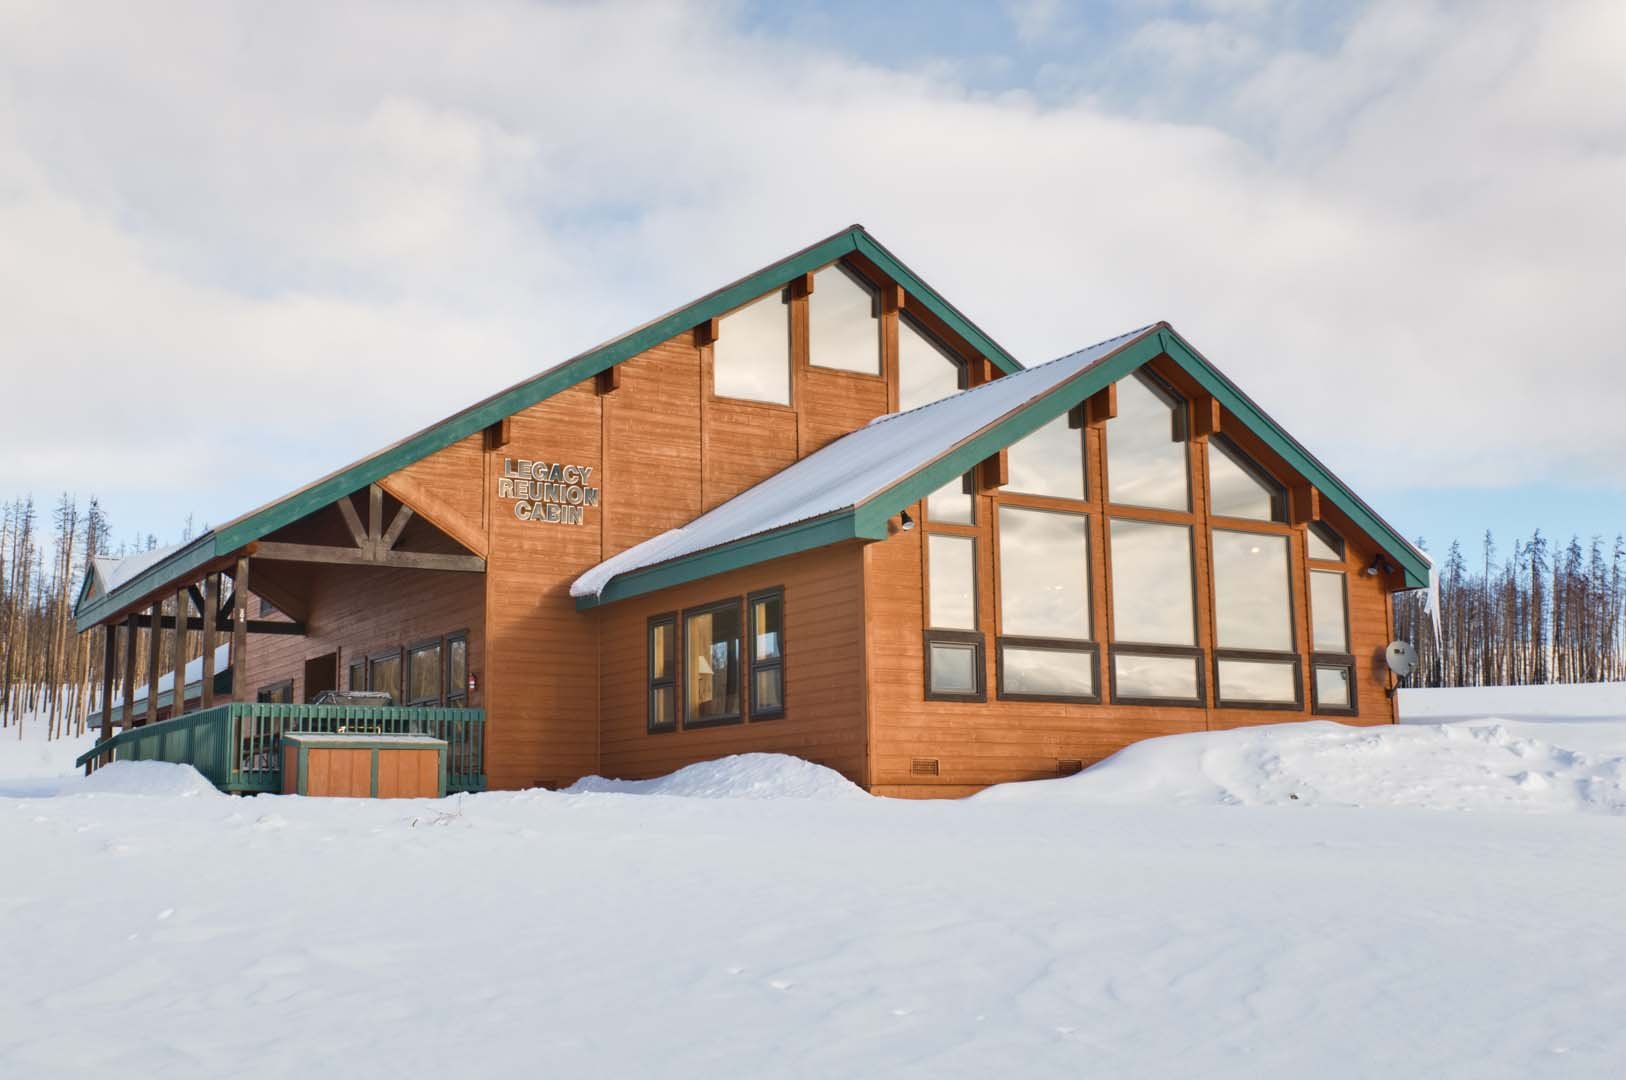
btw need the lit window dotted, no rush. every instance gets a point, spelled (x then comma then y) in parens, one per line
(767, 655)
(1146, 448)
(927, 372)
(712, 665)
(1050, 461)
(844, 326)
(663, 673)
(751, 357)
(954, 503)
(1239, 488)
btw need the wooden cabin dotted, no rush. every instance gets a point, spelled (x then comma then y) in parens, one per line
(816, 512)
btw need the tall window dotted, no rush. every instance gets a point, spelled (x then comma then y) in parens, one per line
(1044, 605)
(1146, 447)
(1051, 460)
(1240, 488)
(954, 664)
(711, 664)
(457, 669)
(1154, 626)
(358, 675)
(663, 673)
(424, 674)
(767, 654)
(844, 322)
(1332, 672)
(1255, 659)
(384, 674)
(927, 371)
(751, 357)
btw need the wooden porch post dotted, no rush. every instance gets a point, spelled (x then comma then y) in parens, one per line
(181, 604)
(110, 663)
(127, 717)
(152, 661)
(239, 631)
(211, 611)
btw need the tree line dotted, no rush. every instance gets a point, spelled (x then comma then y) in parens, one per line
(1542, 614)
(51, 674)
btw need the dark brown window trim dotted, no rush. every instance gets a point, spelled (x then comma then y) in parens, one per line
(949, 352)
(284, 686)
(455, 695)
(1192, 529)
(1292, 587)
(374, 659)
(1181, 409)
(1263, 656)
(791, 406)
(1067, 645)
(972, 533)
(406, 671)
(1089, 574)
(1138, 649)
(979, 664)
(1338, 660)
(1241, 459)
(876, 313)
(1329, 537)
(354, 666)
(968, 479)
(668, 618)
(687, 723)
(753, 664)
(1310, 601)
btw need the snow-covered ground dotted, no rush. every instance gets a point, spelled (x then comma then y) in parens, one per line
(1303, 901)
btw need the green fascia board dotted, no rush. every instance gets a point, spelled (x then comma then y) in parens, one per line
(198, 553)
(802, 536)
(236, 534)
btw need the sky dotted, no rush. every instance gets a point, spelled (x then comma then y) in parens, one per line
(244, 244)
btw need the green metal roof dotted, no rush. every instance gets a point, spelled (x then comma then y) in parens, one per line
(234, 535)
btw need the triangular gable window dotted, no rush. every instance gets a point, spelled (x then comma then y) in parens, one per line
(1240, 488)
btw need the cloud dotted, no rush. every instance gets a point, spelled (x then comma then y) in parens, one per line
(280, 237)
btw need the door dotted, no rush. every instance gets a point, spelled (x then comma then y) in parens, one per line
(321, 673)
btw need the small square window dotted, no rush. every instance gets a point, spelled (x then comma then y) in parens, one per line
(954, 667)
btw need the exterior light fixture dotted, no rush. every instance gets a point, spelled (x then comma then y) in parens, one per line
(905, 522)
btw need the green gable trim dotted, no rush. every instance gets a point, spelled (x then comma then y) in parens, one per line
(236, 534)
(193, 556)
(802, 536)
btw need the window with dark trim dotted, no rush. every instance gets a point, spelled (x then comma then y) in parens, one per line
(1332, 685)
(457, 669)
(384, 674)
(277, 693)
(844, 322)
(1147, 464)
(750, 359)
(928, 370)
(358, 675)
(1239, 487)
(1332, 667)
(662, 671)
(266, 608)
(712, 673)
(424, 675)
(1155, 659)
(766, 678)
(954, 666)
(955, 503)
(1044, 651)
(1323, 544)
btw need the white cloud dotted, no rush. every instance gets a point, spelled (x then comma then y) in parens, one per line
(356, 220)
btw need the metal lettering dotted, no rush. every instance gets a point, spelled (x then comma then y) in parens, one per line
(547, 492)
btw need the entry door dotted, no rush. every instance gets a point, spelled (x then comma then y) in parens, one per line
(321, 673)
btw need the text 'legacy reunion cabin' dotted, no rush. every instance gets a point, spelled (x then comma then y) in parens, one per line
(816, 512)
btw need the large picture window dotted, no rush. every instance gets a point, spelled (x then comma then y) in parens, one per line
(1044, 605)
(1050, 461)
(424, 673)
(662, 673)
(1255, 662)
(751, 356)
(1155, 659)
(384, 674)
(1238, 487)
(1146, 447)
(767, 654)
(711, 665)
(844, 325)
(927, 371)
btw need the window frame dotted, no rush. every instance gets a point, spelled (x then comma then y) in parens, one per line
(979, 664)
(1180, 405)
(969, 533)
(407, 654)
(1259, 656)
(1192, 527)
(380, 656)
(1334, 660)
(1068, 645)
(459, 700)
(1343, 576)
(879, 375)
(1132, 648)
(285, 686)
(1219, 443)
(671, 682)
(968, 481)
(351, 675)
(1329, 536)
(786, 299)
(753, 664)
(962, 369)
(686, 723)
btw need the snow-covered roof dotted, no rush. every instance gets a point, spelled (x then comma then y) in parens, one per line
(166, 681)
(853, 468)
(111, 572)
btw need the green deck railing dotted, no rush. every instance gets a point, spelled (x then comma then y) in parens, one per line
(238, 747)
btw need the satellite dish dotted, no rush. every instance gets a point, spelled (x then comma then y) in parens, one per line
(1401, 657)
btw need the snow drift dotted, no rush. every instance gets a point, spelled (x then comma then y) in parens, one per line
(152, 778)
(741, 776)
(1468, 766)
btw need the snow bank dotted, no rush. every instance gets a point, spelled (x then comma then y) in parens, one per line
(155, 778)
(1583, 701)
(741, 776)
(1474, 766)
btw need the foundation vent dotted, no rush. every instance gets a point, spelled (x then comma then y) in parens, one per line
(923, 766)
(1067, 766)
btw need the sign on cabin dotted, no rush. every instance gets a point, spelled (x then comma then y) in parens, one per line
(554, 494)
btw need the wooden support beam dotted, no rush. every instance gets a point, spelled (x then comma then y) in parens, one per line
(224, 622)
(1205, 417)
(801, 286)
(706, 332)
(498, 435)
(197, 597)
(239, 630)
(607, 381)
(393, 534)
(352, 521)
(1304, 504)
(375, 512)
(893, 298)
(979, 371)
(127, 717)
(995, 470)
(110, 663)
(178, 702)
(411, 560)
(1102, 405)
(433, 509)
(152, 662)
(209, 611)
